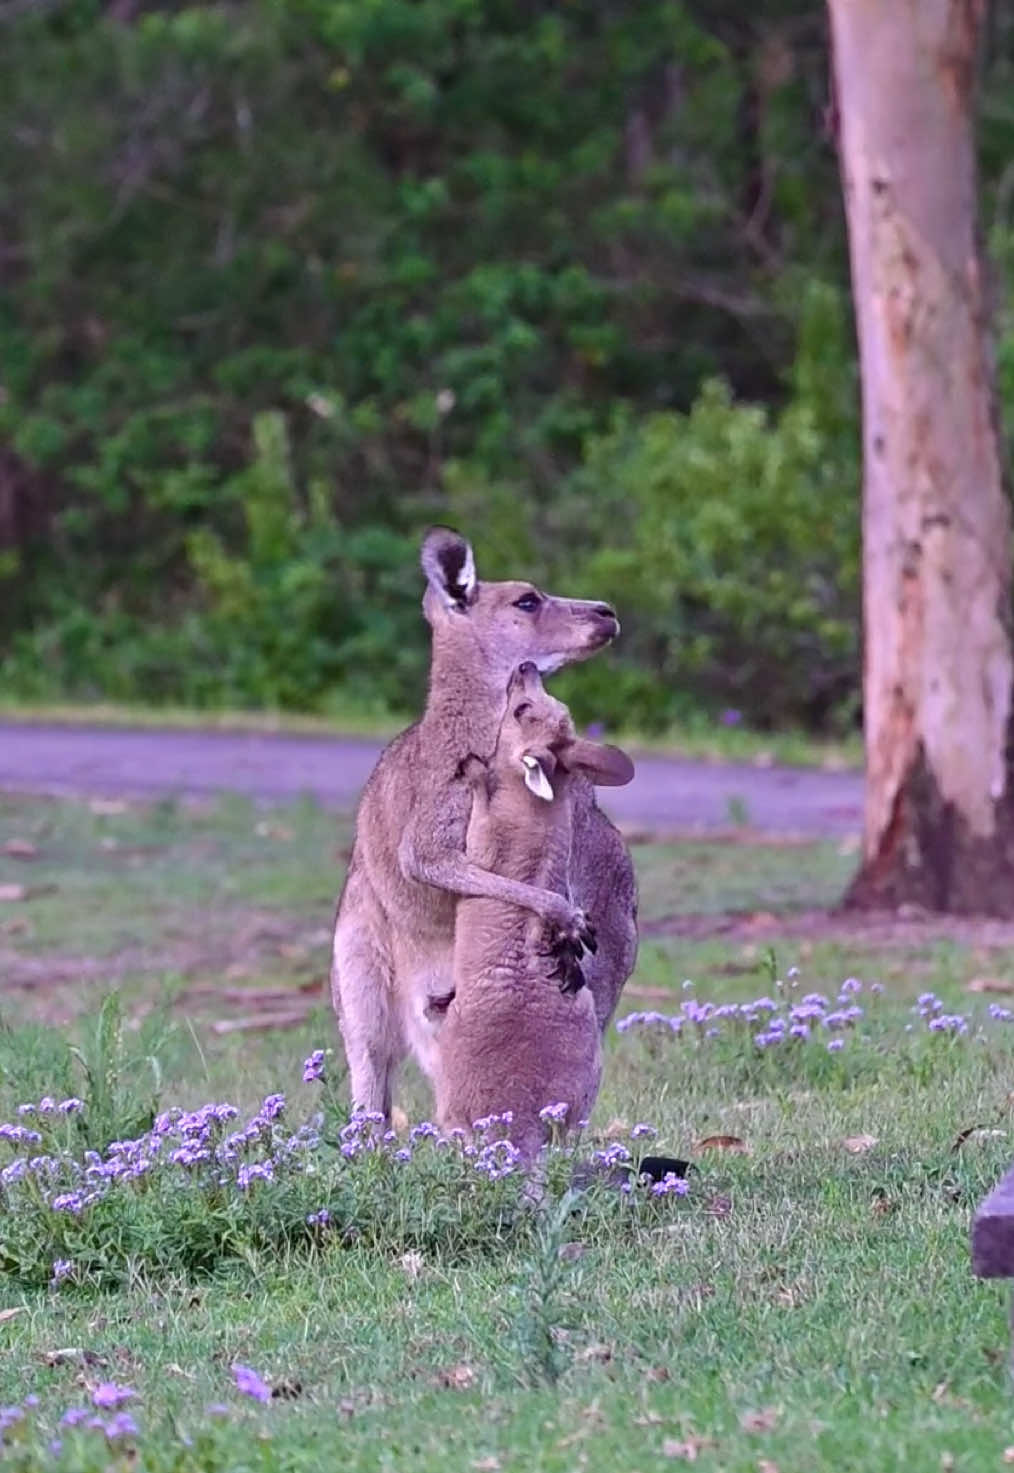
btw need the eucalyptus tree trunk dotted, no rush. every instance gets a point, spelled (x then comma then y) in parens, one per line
(937, 550)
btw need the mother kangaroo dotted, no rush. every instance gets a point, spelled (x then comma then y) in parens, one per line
(394, 930)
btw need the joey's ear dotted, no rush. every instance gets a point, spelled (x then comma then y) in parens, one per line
(449, 565)
(536, 780)
(606, 766)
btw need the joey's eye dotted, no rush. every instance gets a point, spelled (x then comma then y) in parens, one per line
(519, 711)
(528, 602)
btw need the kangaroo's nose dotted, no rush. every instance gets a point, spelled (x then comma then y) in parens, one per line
(604, 611)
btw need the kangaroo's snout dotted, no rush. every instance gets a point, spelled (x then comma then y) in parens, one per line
(605, 623)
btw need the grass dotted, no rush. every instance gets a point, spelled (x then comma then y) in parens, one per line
(808, 1304)
(703, 740)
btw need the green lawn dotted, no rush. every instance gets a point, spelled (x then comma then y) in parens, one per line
(807, 1305)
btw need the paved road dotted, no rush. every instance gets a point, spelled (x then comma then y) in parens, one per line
(665, 794)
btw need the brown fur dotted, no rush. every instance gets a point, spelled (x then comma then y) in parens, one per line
(513, 1040)
(394, 929)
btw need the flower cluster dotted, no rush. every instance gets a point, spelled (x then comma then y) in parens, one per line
(785, 1020)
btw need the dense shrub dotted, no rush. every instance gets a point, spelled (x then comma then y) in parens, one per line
(284, 281)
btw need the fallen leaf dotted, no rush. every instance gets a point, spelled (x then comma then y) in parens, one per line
(13, 892)
(763, 1421)
(761, 920)
(571, 1252)
(71, 1352)
(718, 1206)
(458, 1378)
(766, 1466)
(265, 830)
(486, 1465)
(857, 1144)
(412, 1263)
(616, 1128)
(19, 849)
(989, 984)
(399, 1120)
(9, 1314)
(1008, 1454)
(264, 1020)
(688, 1450)
(722, 1143)
(976, 1133)
(597, 1351)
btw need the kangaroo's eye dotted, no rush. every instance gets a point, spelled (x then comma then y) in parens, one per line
(528, 602)
(519, 711)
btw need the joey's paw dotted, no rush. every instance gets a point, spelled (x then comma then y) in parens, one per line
(568, 975)
(575, 934)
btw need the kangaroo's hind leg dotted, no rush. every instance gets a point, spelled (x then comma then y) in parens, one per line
(362, 991)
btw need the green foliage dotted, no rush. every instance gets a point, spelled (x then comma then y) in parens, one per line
(287, 282)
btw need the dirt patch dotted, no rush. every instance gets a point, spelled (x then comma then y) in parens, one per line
(881, 929)
(255, 939)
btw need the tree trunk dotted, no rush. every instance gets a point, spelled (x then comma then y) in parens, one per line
(937, 551)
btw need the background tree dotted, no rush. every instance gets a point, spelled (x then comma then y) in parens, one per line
(936, 518)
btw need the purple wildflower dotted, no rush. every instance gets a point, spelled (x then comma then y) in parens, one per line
(122, 1425)
(403, 1155)
(731, 717)
(71, 1106)
(62, 1269)
(19, 1133)
(949, 1023)
(255, 1171)
(670, 1185)
(313, 1067)
(250, 1383)
(272, 1107)
(425, 1130)
(497, 1160)
(108, 1395)
(47, 1105)
(555, 1114)
(69, 1202)
(835, 1044)
(643, 1129)
(74, 1416)
(318, 1219)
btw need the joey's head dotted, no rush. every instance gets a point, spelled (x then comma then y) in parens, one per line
(499, 626)
(538, 743)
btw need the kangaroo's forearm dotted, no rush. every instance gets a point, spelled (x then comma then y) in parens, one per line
(461, 877)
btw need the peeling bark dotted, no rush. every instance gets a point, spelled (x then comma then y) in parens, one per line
(938, 668)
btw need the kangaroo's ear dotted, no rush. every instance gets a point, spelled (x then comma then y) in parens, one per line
(536, 780)
(606, 766)
(449, 564)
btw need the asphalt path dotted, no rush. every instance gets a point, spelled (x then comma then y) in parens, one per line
(666, 794)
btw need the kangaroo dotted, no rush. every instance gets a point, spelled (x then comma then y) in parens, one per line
(510, 1041)
(394, 928)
